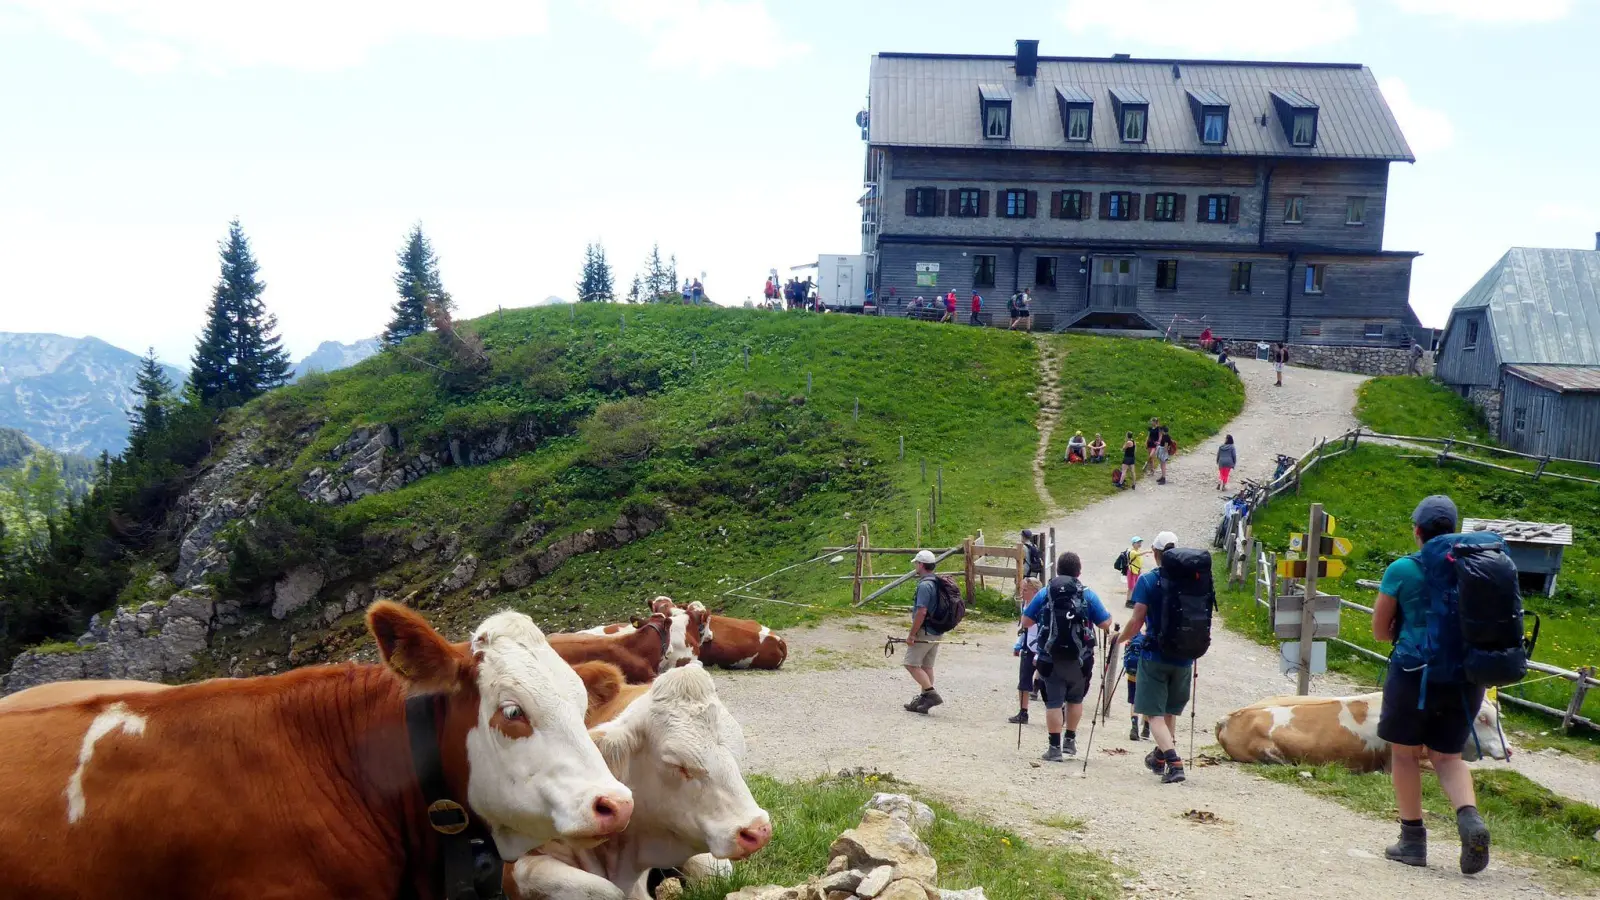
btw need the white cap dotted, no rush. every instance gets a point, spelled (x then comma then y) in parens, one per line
(925, 557)
(1166, 540)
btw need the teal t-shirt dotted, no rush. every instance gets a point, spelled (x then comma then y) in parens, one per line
(1404, 581)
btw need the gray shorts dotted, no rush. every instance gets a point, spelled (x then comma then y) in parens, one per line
(1162, 688)
(921, 654)
(1066, 685)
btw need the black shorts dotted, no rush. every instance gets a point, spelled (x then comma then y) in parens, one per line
(1025, 672)
(1443, 724)
(1061, 688)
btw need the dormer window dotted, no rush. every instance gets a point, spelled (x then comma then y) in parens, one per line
(1298, 113)
(994, 102)
(1133, 114)
(1210, 111)
(1077, 114)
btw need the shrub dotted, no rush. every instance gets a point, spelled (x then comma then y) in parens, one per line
(619, 433)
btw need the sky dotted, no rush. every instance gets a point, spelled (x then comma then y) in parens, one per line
(516, 131)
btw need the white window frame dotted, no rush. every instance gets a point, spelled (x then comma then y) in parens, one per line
(1078, 115)
(1221, 119)
(1316, 278)
(1309, 119)
(1367, 330)
(997, 114)
(1130, 116)
(1519, 419)
(1355, 211)
(1471, 342)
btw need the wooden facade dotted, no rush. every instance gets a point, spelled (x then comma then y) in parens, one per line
(1536, 419)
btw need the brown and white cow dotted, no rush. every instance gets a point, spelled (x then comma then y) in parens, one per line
(678, 749)
(687, 628)
(1320, 730)
(302, 784)
(741, 644)
(57, 693)
(637, 651)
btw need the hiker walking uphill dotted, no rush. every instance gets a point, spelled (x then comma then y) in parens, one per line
(1454, 615)
(939, 608)
(1227, 459)
(1173, 605)
(1067, 613)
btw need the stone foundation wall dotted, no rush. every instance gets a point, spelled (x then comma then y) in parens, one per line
(1359, 360)
(1488, 400)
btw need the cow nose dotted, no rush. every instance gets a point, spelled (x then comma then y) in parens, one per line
(755, 836)
(611, 814)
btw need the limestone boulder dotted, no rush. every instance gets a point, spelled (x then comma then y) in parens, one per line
(883, 840)
(912, 812)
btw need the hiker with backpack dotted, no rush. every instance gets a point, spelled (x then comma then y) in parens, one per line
(1454, 614)
(1127, 476)
(1130, 668)
(1027, 640)
(1227, 458)
(939, 608)
(1172, 604)
(1130, 563)
(1033, 559)
(1067, 613)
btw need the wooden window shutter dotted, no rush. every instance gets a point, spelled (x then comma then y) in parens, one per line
(1200, 208)
(1133, 206)
(953, 206)
(1033, 204)
(1086, 204)
(1233, 208)
(911, 201)
(1055, 204)
(1177, 210)
(983, 203)
(1149, 206)
(938, 203)
(1105, 204)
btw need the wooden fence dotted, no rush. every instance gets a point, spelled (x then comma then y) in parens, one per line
(973, 552)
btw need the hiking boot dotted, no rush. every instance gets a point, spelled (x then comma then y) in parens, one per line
(1174, 774)
(1144, 733)
(1133, 730)
(930, 699)
(1412, 849)
(1020, 718)
(918, 704)
(1069, 746)
(1155, 761)
(1474, 840)
(1053, 754)
(1161, 481)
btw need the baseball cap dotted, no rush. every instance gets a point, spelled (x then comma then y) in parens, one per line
(1166, 540)
(1026, 534)
(925, 557)
(1136, 540)
(1435, 511)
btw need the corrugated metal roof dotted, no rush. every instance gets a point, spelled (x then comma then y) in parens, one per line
(1294, 100)
(929, 101)
(1523, 532)
(1207, 97)
(1543, 306)
(1073, 94)
(1124, 94)
(1575, 379)
(993, 92)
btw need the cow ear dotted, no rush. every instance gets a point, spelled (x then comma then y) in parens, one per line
(617, 740)
(409, 646)
(602, 680)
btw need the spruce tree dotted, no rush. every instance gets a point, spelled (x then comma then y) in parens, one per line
(636, 291)
(239, 355)
(657, 281)
(418, 284)
(154, 391)
(596, 283)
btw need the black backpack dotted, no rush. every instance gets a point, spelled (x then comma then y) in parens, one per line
(1121, 562)
(1187, 598)
(1066, 633)
(948, 607)
(1475, 616)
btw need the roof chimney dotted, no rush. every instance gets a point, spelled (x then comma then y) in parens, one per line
(1597, 240)
(1027, 59)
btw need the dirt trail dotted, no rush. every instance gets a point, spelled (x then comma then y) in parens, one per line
(840, 707)
(1049, 409)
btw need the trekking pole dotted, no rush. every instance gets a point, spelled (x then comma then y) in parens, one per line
(1093, 718)
(1194, 681)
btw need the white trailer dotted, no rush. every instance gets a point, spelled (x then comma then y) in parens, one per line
(842, 281)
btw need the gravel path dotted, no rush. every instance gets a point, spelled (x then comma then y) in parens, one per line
(838, 706)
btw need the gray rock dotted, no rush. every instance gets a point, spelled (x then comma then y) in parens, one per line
(209, 507)
(460, 575)
(295, 590)
(845, 880)
(517, 575)
(968, 894)
(873, 883)
(331, 612)
(912, 812)
(356, 598)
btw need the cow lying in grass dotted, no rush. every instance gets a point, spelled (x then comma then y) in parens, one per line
(688, 626)
(1319, 730)
(728, 642)
(678, 748)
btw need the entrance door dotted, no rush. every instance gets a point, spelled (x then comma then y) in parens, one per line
(1114, 284)
(844, 285)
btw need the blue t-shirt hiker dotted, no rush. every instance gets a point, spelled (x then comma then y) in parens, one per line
(1165, 682)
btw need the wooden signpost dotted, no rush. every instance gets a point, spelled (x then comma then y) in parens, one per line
(1298, 568)
(1318, 612)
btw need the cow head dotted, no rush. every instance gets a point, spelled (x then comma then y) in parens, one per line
(679, 749)
(513, 732)
(1486, 734)
(699, 622)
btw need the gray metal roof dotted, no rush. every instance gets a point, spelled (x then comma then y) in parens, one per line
(993, 92)
(927, 100)
(1543, 306)
(1124, 94)
(1073, 94)
(1523, 532)
(1294, 100)
(1207, 97)
(1573, 379)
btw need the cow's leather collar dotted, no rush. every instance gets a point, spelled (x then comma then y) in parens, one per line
(469, 866)
(664, 633)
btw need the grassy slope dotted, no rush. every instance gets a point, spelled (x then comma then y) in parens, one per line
(807, 817)
(1113, 386)
(1403, 404)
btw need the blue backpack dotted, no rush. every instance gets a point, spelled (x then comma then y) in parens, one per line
(1475, 623)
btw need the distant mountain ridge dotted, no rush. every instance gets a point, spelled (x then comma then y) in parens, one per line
(332, 356)
(71, 395)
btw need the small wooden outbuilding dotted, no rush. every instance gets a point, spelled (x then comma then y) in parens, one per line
(1536, 548)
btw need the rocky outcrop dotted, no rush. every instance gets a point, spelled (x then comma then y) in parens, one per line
(296, 589)
(153, 641)
(212, 505)
(880, 859)
(539, 563)
(372, 460)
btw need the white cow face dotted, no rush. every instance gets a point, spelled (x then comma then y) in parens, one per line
(535, 773)
(1486, 733)
(679, 749)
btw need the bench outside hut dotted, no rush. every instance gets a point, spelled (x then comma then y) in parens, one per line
(1535, 547)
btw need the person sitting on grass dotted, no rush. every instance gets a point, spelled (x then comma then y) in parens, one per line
(1097, 449)
(1077, 449)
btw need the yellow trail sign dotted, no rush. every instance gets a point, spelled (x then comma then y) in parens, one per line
(1329, 524)
(1330, 545)
(1296, 568)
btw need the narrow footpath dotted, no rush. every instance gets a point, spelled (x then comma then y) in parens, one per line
(839, 707)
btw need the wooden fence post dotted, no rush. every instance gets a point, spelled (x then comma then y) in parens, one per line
(971, 563)
(919, 527)
(861, 546)
(902, 448)
(924, 470)
(1579, 690)
(1022, 567)
(939, 477)
(808, 384)
(866, 541)
(747, 359)
(856, 416)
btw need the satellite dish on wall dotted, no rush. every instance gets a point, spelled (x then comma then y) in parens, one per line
(862, 119)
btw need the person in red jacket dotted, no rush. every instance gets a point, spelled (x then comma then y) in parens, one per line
(949, 306)
(977, 307)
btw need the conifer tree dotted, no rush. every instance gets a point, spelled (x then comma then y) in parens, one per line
(418, 284)
(636, 291)
(658, 281)
(154, 391)
(596, 283)
(239, 355)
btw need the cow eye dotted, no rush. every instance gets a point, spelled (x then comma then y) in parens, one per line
(513, 713)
